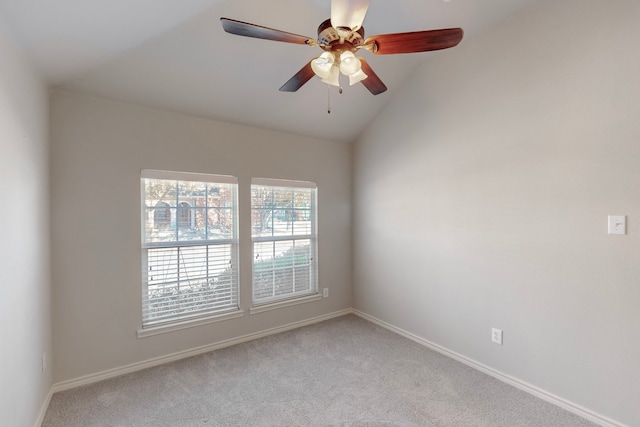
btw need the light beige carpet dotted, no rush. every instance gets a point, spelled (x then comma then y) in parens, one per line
(342, 372)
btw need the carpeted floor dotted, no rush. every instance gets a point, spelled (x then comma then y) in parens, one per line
(342, 372)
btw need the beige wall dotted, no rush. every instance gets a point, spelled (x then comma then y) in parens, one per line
(98, 150)
(25, 298)
(482, 194)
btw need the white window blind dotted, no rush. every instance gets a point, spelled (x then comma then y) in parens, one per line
(189, 246)
(283, 219)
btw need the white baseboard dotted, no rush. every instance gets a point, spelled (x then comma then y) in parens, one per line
(515, 382)
(115, 372)
(43, 408)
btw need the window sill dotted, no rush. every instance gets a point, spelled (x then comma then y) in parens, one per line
(171, 327)
(282, 304)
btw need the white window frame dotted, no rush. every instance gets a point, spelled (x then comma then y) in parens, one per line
(212, 313)
(279, 301)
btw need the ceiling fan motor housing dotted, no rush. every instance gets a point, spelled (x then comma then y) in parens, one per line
(339, 39)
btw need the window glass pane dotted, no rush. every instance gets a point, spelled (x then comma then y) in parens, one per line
(190, 195)
(161, 220)
(186, 223)
(225, 195)
(302, 198)
(160, 190)
(194, 225)
(190, 191)
(220, 223)
(260, 197)
(160, 217)
(282, 197)
(261, 211)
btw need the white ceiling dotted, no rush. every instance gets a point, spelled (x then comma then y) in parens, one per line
(174, 54)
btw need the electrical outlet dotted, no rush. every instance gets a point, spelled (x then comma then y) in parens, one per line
(496, 336)
(44, 362)
(325, 292)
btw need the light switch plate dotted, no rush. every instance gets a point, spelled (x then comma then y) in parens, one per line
(617, 224)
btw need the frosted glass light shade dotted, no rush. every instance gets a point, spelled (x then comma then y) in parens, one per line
(348, 13)
(349, 63)
(357, 77)
(334, 77)
(322, 65)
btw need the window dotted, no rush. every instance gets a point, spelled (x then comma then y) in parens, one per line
(189, 246)
(283, 220)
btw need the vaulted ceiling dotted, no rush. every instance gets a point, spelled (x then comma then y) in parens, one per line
(175, 55)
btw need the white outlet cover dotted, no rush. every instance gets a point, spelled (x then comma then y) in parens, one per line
(617, 224)
(496, 336)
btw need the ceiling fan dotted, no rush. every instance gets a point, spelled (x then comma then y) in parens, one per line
(340, 37)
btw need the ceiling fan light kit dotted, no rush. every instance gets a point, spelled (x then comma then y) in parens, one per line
(341, 37)
(328, 69)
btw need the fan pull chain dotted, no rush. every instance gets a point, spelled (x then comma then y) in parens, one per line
(329, 97)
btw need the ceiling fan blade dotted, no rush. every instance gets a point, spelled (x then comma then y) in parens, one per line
(372, 82)
(299, 79)
(418, 41)
(348, 13)
(259, 32)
